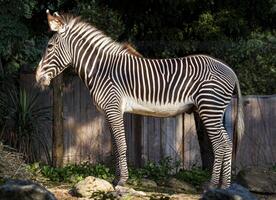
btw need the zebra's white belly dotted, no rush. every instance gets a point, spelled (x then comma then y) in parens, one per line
(130, 105)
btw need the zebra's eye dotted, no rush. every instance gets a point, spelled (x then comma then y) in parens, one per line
(50, 46)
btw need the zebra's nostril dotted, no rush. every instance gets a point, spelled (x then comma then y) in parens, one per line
(42, 79)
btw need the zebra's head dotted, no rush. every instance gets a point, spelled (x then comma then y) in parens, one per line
(56, 56)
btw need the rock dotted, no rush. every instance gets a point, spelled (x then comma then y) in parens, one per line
(271, 197)
(62, 194)
(234, 192)
(125, 191)
(265, 196)
(90, 184)
(259, 180)
(24, 190)
(148, 183)
(184, 197)
(180, 185)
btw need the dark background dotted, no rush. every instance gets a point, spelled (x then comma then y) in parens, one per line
(242, 33)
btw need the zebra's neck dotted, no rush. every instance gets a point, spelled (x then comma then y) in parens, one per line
(90, 49)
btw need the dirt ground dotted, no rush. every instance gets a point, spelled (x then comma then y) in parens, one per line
(63, 192)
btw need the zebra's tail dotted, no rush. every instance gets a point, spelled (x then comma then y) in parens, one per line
(239, 123)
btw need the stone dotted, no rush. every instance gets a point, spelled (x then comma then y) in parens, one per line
(180, 185)
(125, 191)
(24, 190)
(184, 197)
(271, 197)
(61, 193)
(265, 196)
(148, 183)
(261, 180)
(234, 192)
(90, 184)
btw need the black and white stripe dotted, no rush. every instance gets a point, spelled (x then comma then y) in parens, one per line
(121, 82)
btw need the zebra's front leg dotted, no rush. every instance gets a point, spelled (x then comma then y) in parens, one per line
(116, 123)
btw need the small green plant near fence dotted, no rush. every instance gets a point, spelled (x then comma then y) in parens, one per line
(72, 173)
(159, 172)
(155, 171)
(274, 168)
(195, 176)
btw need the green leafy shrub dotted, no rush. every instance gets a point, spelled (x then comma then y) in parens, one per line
(254, 61)
(156, 171)
(274, 168)
(72, 173)
(195, 176)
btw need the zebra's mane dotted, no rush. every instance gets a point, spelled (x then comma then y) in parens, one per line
(73, 21)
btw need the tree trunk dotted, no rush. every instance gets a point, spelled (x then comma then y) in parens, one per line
(57, 138)
(206, 151)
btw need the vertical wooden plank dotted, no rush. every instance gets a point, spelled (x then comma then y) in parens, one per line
(137, 139)
(168, 137)
(165, 134)
(271, 116)
(144, 140)
(156, 139)
(151, 138)
(57, 151)
(179, 138)
(129, 137)
(191, 147)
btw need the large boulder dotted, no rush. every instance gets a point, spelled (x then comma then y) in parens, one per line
(24, 190)
(261, 180)
(90, 184)
(234, 192)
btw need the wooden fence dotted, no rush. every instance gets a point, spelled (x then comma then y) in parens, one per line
(87, 138)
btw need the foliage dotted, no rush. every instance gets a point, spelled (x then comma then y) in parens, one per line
(75, 172)
(22, 121)
(254, 61)
(102, 17)
(16, 32)
(72, 173)
(195, 176)
(274, 168)
(225, 30)
(158, 29)
(156, 171)
(159, 172)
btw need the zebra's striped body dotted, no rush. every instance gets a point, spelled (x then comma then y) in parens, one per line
(121, 82)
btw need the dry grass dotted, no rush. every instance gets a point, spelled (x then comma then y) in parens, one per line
(12, 164)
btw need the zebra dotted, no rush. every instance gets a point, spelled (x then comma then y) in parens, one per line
(121, 81)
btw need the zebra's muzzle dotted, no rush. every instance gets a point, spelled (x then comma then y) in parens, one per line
(43, 81)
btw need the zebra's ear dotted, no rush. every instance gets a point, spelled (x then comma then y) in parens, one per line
(55, 22)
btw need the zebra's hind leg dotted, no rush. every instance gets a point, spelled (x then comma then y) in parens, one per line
(115, 120)
(211, 114)
(227, 162)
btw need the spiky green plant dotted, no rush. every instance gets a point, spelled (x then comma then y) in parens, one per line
(23, 122)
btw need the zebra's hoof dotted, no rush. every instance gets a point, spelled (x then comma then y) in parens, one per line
(208, 186)
(120, 182)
